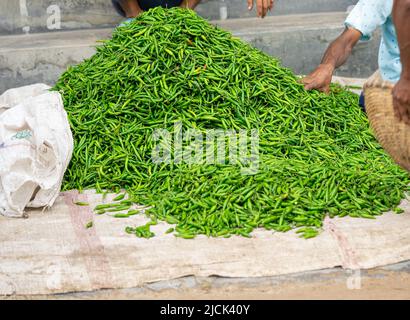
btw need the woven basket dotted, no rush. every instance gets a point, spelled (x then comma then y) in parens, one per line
(393, 135)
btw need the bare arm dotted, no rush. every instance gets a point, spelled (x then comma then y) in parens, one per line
(339, 50)
(401, 91)
(131, 8)
(262, 6)
(336, 55)
(190, 4)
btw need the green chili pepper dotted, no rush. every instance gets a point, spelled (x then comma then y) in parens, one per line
(119, 197)
(79, 203)
(121, 215)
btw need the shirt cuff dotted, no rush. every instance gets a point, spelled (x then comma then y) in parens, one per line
(364, 37)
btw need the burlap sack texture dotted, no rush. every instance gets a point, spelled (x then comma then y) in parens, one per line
(392, 134)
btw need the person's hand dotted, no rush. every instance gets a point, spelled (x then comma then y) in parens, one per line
(262, 6)
(319, 79)
(401, 100)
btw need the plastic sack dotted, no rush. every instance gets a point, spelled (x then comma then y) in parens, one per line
(36, 145)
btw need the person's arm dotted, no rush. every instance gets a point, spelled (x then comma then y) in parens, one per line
(401, 91)
(336, 55)
(190, 4)
(131, 8)
(262, 6)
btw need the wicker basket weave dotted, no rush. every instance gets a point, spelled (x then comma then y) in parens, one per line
(393, 135)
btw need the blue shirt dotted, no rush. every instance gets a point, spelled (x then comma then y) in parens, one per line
(366, 17)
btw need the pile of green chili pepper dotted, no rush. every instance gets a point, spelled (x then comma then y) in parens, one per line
(317, 155)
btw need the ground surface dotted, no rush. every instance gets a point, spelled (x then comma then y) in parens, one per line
(390, 282)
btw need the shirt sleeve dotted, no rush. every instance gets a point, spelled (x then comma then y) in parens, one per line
(367, 15)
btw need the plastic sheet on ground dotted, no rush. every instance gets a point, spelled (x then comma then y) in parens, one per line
(54, 252)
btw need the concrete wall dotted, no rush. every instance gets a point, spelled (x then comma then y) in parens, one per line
(238, 8)
(298, 40)
(75, 14)
(22, 16)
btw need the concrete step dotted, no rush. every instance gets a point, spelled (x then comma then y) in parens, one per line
(298, 40)
(28, 16)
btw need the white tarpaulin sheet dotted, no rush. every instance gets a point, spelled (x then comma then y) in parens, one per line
(53, 251)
